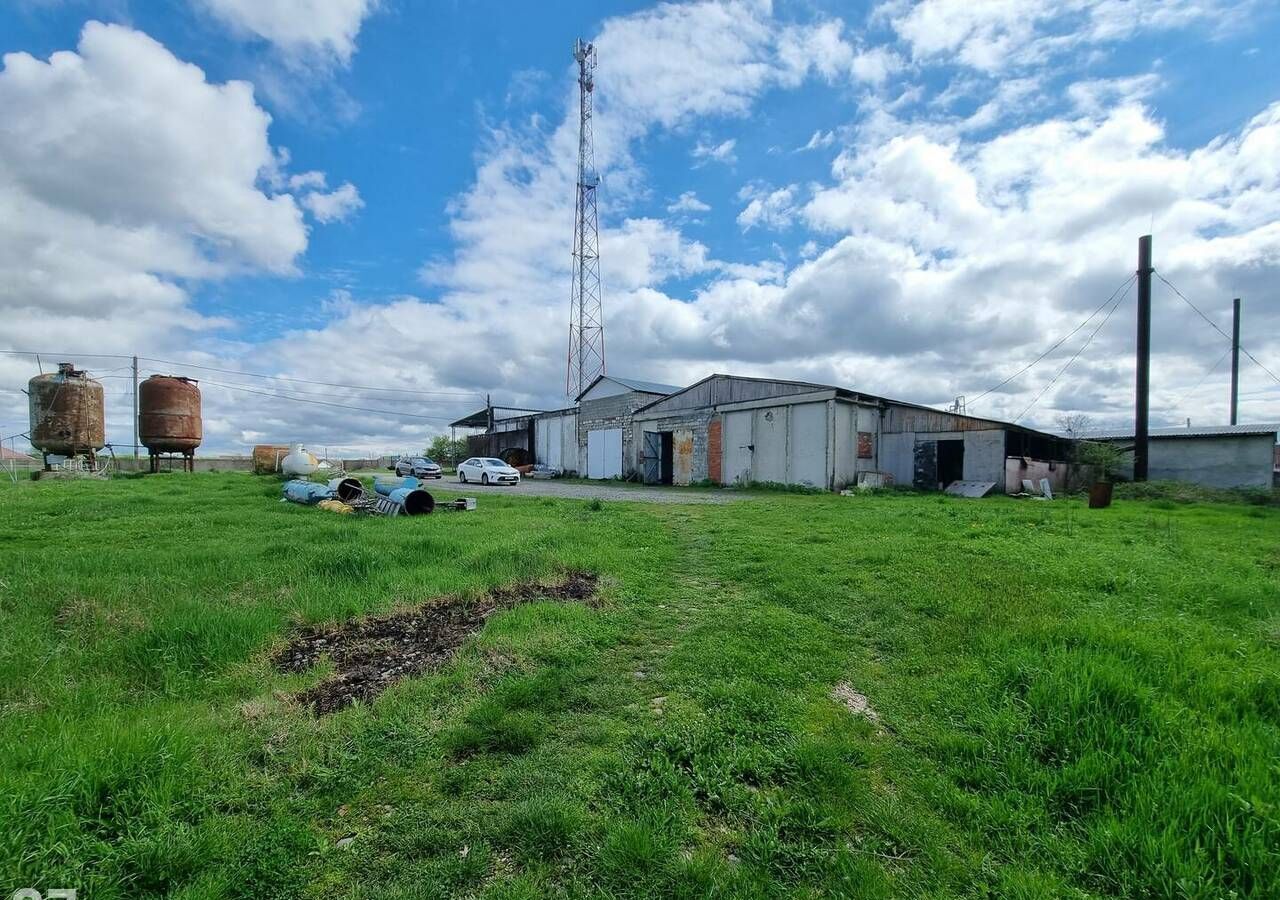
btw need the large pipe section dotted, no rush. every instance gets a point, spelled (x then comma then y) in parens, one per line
(405, 494)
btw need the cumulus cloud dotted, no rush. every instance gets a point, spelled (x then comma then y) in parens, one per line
(992, 36)
(688, 202)
(308, 30)
(126, 177)
(333, 206)
(937, 254)
(721, 152)
(771, 209)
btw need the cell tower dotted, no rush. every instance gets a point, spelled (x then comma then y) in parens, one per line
(586, 316)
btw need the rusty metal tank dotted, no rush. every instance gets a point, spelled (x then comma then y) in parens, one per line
(169, 414)
(67, 412)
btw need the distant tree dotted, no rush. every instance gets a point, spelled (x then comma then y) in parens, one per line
(442, 449)
(1074, 425)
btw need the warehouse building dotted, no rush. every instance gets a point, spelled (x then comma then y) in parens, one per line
(730, 429)
(1222, 456)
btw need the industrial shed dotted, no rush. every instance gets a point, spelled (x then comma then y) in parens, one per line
(606, 437)
(508, 433)
(731, 429)
(1222, 456)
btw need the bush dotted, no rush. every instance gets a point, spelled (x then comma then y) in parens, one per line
(1184, 492)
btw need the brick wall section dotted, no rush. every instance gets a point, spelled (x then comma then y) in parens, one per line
(714, 449)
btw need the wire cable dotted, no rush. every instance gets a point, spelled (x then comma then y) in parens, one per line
(1215, 327)
(1177, 406)
(1127, 282)
(357, 387)
(383, 412)
(1076, 356)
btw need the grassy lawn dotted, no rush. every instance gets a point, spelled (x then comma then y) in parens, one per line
(1068, 702)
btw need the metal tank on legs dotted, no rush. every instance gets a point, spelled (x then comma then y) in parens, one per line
(169, 421)
(67, 414)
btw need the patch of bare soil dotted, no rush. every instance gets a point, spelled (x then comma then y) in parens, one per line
(854, 701)
(369, 655)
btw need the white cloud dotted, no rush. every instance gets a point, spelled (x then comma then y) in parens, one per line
(688, 202)
(334, 206)
(820, 140)
(310, 30)
(941, 251)
(722, 152)
(771, 209)
(126, 177)
(992, 35)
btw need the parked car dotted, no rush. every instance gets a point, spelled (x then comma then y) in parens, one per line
(418, 467)
(487, 471)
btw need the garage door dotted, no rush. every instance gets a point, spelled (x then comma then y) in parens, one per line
(604, 453)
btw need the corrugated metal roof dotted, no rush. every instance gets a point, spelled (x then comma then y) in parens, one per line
(1197, 431)
(635, 384)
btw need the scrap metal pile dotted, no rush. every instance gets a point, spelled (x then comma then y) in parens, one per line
(347, 496)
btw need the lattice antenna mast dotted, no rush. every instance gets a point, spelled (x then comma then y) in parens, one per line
(586, 316)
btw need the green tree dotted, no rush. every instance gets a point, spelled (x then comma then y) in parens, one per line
(444, 450)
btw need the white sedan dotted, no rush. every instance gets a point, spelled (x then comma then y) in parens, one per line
(487, 471)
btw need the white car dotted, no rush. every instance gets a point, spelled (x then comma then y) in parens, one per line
(487, 471)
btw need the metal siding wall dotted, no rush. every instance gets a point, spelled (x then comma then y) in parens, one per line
(897, 456)
(769, 435)
(737, 440)
(845, 436)
(984, 456)
(808, 445)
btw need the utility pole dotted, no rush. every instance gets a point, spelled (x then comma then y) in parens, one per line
(135, 408)
(1141, 429)
(1235, 358)
(586, 314)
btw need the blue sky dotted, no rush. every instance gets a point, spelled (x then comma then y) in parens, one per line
(912, 199)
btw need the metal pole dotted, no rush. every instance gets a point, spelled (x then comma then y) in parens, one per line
(135, 408)
(1143, 380)
(1235, 358)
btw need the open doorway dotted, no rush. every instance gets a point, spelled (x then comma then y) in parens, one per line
(657, 457)
(950, 462)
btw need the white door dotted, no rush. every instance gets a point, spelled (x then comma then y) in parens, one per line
(604, 453)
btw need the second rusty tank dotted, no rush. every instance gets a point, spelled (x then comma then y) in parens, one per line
(67, 413)
(169, 415)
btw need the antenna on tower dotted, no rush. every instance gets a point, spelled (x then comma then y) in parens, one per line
(586, 316)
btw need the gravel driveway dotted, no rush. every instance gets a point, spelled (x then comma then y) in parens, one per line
(605, 490)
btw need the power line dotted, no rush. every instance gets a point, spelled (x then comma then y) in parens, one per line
(357, 387)
(383, 412)
(1215, 327)
(1202, 380)
(1076, 356)
(1127, 283)
(472, 395)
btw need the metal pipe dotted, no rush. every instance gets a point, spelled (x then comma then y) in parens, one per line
(413, 501)
(306, 492)
(1235, 359)
(346, 489)
(1143, 379)
(386, 487)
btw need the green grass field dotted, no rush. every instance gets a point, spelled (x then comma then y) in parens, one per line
(1070, 702)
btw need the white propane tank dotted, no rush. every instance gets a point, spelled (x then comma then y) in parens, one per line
(298, 461)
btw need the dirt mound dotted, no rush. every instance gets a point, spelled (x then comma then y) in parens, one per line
(369, 655)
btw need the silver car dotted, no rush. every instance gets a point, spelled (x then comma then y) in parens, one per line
(418, 467)
(487, 470)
